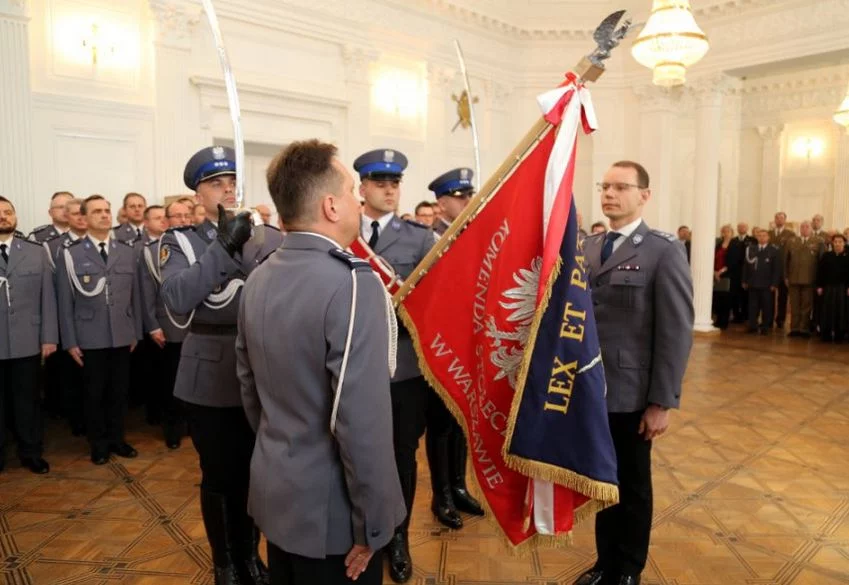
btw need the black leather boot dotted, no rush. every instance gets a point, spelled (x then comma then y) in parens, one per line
(252, 570)
(398, 549)
(463, 500)
(216, 521)
(439, 460)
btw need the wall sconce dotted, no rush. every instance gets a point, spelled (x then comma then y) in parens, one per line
(805, 147)
(96, 44)
(399, 92)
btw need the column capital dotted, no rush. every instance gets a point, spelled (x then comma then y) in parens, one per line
(14, 8)
(440, 78)
(175, 22)
(357, 61)
(659, 99)
(770, 132)
(497, 93)
(708, 91)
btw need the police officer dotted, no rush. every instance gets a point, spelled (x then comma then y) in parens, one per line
(761, 277)
(100, 323)
(60, 367)
(446, 445)
(165, 331)
(403, 244)
(59, 224)
(132, 231)
(202, 271)
(330, 344)
(28, 333)
(643, 304)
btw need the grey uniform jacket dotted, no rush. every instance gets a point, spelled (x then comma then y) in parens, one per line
(27, 301)
(643, 305)
(762, 269)
(154, 314)
(127, 233)
(43, 233)
(313, 493)
(109, 319)
(404, 244)
(207, 372)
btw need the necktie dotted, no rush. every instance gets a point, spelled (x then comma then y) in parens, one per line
(607, 249)
(103, 251)
(760, 248)
(3, 253)
(372, 241)
(138, 233)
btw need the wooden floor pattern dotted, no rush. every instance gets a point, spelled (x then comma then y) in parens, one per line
(751, 488)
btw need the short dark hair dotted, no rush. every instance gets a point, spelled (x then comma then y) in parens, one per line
(4, 200)
(838, 235)
(598, 224)
(296, 175)
(89, 199)
(423, 204)
(682, 227)
(130, 195)
(59, 194)
(642, 173)
(151, 208)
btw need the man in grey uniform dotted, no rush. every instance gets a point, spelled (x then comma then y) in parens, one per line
(203, 269)
(326, 500)
(28, 333)
(643, 303)
(452, 190)
(59, 224)
(132, 231)
(165, 333)
(403, 244)
(100, 323)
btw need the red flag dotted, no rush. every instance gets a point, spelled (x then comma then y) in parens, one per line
(478, 349)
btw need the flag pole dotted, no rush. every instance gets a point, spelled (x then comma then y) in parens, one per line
(607, 36)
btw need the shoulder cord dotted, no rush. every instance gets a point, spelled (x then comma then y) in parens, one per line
(157, 277)
(392, 329)
(750, 260)
(49, 256)
(214, 301)
(75, 282)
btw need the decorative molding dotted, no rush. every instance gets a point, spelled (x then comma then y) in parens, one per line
(175, 22)
(17, 9)
(441, 78)
(80, 105)
(357, 61)
(246, 90)
(659, 99)
(497, 93)
(768, 133)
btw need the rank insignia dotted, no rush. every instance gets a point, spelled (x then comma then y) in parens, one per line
(164, 254)
(218, 153)
(86, 279)
(637, 239)
(210, 233)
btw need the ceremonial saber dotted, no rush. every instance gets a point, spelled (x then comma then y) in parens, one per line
(232, 100)
(471, 110)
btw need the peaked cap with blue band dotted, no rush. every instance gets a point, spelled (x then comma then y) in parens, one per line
(456, 183)
(381, 164)
(207, 163)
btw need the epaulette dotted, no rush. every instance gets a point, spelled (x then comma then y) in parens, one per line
(41, 228)
(274, 227)
(23, 239)
(129, 244)
(416, 224)
(75, 242)
(664, 235)
(180, 228)
(353, 262)
(19, 234)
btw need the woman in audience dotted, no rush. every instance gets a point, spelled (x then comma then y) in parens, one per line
(833, 287)
(723, 259)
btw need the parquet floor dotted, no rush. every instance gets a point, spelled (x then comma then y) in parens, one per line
(751, 488)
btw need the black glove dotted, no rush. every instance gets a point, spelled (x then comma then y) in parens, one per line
(233, 232)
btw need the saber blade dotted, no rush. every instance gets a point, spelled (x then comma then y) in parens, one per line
(475, 141)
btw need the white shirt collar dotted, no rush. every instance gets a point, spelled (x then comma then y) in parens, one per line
(8, 242)
(627, 230)
(365, 224)
(332, 241)
(74, 237)
(97, 243)
(60, 230)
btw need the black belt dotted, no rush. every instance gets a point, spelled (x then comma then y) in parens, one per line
(203, 329)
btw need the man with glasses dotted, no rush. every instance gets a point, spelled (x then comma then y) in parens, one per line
(59, 224)
(643, 305)
(424, 213)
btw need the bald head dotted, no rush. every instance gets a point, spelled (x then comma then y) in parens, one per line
(264, 212)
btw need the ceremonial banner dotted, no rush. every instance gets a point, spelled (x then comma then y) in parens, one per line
(514, 354)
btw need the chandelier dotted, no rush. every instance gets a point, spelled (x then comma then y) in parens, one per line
(841, 116)
(670, 42)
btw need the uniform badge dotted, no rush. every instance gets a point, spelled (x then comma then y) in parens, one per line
(210, 233)
(464, 174)
(86, 279)
(164, 254)
(637, 239)
(218, 153)
(388, 156)
(396, 225)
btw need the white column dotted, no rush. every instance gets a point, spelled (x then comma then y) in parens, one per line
(840, 213)
(176, 137)
(357, 81)
(770, 173)
(441, 81)
(608, 144)
(708, 99)
(16, 164)
(658, 139)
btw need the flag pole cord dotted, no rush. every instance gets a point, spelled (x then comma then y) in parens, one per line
(475, 206)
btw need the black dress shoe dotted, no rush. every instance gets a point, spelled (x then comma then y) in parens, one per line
(99, 457)
(446, 514)
(465, 502)
(400, 563)
(172, 443)
(627, 580)
(593, 577)
(35, 464)
(124, 450)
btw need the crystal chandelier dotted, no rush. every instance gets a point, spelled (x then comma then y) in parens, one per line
(670, 42)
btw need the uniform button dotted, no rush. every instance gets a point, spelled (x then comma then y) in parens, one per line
(375, 533)
(627, 279)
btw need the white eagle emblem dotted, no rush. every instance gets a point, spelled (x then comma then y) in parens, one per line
(509, 346)
(218, 152)
(388, 156)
